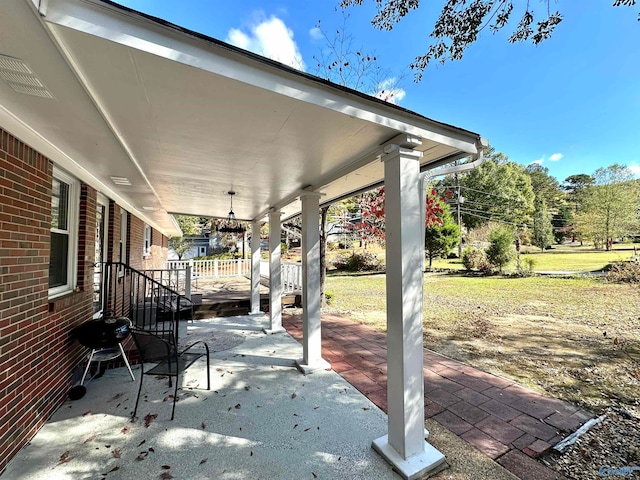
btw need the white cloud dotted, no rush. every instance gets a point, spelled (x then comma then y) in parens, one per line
(537, 162)
(389, 92)
(635, 168)
(555, 157)
(270, 38)
(316, 34)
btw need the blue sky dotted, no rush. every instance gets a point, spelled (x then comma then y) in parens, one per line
(571, 103)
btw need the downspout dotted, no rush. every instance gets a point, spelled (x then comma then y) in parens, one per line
(478, 159)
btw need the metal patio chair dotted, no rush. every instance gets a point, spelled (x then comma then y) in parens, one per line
(160, 356)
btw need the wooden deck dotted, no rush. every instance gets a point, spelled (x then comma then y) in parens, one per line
(225, 297)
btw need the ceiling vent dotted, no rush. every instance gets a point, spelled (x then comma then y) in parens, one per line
(123, 181)
(21, 78)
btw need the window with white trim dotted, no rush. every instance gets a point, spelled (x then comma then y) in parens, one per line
(64, 232)
(147, 240)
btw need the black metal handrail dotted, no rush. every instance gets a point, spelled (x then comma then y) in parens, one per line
(150, 304)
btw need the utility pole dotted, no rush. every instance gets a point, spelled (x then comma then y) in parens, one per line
(459, 200)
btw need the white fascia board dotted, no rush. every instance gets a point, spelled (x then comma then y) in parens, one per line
(28, 135)
(137, 32)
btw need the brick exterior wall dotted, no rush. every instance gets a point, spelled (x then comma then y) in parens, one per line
(38, 354)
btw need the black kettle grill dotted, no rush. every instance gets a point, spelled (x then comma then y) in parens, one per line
(106, 332)
(104, 337)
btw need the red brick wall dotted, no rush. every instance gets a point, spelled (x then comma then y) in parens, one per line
(136, 242)
(159, 251)
(37, 354)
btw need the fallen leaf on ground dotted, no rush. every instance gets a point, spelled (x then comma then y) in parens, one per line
(238, 406)
(293, 395)
(165, 475)
(125, 430)
(141, 443)
(116, 453)
(65, 457)
(114, 469)
(148, 418)
(204, 460)
(166, 467)
(203, 426)
(91, 438)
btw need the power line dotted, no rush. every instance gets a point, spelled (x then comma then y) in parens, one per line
(493, 219)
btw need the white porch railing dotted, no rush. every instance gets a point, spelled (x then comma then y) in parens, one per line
(291, 271)
(213, 268)
(291, 275)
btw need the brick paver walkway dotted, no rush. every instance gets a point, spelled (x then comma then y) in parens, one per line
(511, 424)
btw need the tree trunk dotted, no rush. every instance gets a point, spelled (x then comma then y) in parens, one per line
(323, 252)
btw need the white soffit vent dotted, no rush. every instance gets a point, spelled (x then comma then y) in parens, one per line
(21, 78)
(121, 181)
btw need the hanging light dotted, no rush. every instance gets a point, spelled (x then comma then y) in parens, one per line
(230, 224)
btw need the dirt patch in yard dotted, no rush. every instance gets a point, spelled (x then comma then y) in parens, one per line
(577, 339)
(570, 361)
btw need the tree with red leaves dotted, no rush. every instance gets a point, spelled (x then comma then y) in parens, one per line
(372, 224)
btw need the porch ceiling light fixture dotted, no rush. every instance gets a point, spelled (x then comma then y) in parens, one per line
(230, 224)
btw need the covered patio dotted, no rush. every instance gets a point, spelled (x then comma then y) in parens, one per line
(261, 419)
(163, 120)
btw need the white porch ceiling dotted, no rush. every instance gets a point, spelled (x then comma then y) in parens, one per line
(186, 118)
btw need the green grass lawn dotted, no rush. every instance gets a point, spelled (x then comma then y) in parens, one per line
(567, 258)
(546, 333)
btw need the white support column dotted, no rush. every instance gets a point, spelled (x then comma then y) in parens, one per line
(405, 447)
(255, 269)
(311, 329)
(275, 275)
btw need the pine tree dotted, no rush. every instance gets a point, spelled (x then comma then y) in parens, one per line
(542, 228)
(442, 236)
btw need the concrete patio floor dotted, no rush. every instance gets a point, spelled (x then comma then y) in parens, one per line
(261, 419)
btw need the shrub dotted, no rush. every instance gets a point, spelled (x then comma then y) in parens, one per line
(222, 256)
(475, 259)
(624, 272)
(328, 297)
(359, 262)
(501, 251)
(529, 264)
